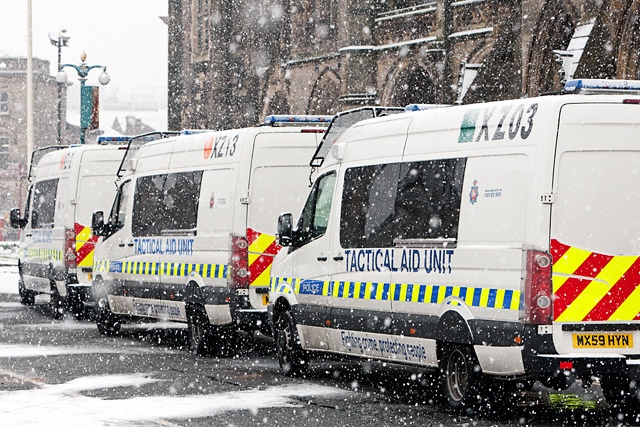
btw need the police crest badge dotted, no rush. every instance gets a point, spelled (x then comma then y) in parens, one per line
(473, 194)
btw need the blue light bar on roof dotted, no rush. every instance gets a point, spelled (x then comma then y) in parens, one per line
(193, 131)
(421, 107)
(275, 118)
(601, 85)
(113, 139)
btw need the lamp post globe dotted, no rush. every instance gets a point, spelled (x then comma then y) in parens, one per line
(61, 77)
(104, 78)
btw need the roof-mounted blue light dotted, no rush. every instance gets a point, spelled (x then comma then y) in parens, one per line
(284, 119)
(193, 131)
(104, 139)
(421, 107)
(601, 85)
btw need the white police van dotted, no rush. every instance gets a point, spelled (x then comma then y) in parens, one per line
(495, 242)
(190, 237)
(67, 183)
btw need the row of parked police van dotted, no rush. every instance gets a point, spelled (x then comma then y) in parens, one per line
(493, 243)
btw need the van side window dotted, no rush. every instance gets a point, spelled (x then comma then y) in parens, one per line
(181, 195)
(148, 208)
(44, 203)
(367, 212)
(118, 215)
(315, 214)
(428, 199)
(167, 202)
(406, 201)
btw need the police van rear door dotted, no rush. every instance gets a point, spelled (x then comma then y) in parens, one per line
(595, 229)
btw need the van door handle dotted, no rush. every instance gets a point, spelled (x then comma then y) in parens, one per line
(121, 244)
(130, 244)
(322, 258)
(338, 258)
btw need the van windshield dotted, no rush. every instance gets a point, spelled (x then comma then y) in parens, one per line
(596, 205)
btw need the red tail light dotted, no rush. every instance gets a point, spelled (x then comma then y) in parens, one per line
(538, 291)
(70, 248)
(239, 263)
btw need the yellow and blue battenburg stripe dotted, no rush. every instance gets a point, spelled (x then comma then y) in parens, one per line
(45, 254)
(505, 299)
(174, 269)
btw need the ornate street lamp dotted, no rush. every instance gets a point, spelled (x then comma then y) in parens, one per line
(85, 91)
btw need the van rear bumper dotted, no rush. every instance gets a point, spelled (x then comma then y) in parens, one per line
(541, 359)
(243, 315)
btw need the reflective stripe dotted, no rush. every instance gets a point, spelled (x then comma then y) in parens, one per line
(262, 249)
(403, 292)
(45, 254)
(590, 286)
(85, 245)
(211, 271)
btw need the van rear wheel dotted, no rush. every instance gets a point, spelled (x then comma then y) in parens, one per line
(57, 305)
(27, 297)
(199, 330)
(461, 377)
(293, 360)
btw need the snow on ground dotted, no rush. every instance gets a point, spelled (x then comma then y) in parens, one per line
(58, 404)
(9, 280)
(25, 350)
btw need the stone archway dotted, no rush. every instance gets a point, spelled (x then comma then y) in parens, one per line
(325, 94)
(278, 104)
(408, 83)
(553, 31)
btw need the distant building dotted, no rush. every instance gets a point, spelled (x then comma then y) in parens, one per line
(232, 62)
(13, 124)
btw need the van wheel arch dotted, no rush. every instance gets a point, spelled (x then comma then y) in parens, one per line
(453, 328)
(192, 293)
(281, 305)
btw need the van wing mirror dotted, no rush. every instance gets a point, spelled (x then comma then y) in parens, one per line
(97, 223)
(16, 220)
(285, 229)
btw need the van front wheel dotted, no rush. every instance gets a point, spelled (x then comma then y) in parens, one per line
(293, 360)
(461, 376)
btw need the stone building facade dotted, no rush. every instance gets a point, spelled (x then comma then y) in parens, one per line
(231, 62)
(13, 125)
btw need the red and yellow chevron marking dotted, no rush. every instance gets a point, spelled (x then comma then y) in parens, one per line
(85, 244)
(589, 286)
(262, 249)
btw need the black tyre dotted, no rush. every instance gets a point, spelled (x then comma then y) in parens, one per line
(75, 304)
(622, 395)
(294, 361)
(202, 336)
(57, 304)
(107, 322)
(461, 377)
(27, 297)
